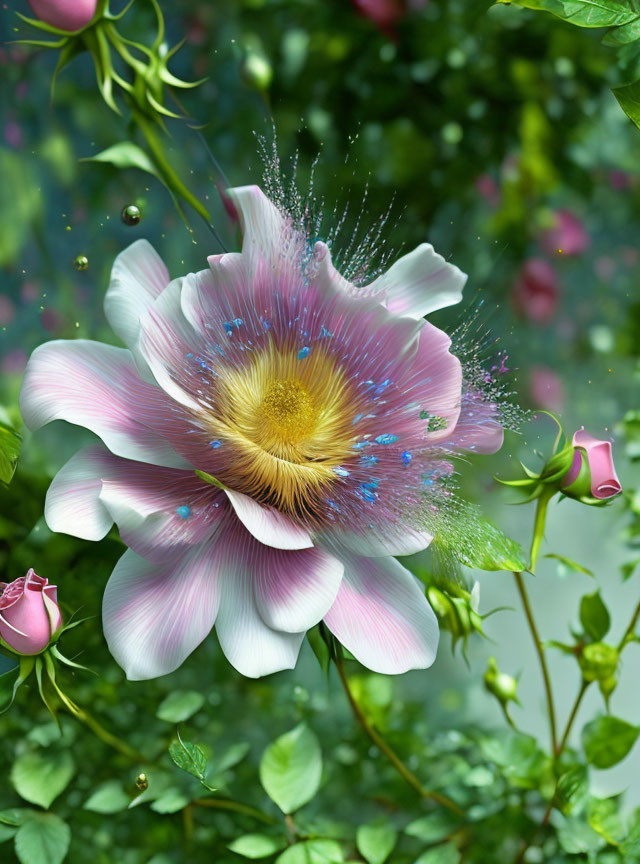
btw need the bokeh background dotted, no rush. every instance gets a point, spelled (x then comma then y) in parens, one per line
(491, 132)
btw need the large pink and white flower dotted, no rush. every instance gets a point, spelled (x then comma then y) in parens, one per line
(271, 439)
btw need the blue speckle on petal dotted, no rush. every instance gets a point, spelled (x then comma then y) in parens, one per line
(369, 460)
(324, 333)
(360, 444)
(341, 472)
(356, 419)
(386, 439)
(406, 457)
(189, 356)
(215, 444)
(183, 511)
(304, 352)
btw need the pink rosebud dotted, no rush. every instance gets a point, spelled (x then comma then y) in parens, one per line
(592, 472)
(29, 613)
(65, 14)
(535, 293)
(567, 235)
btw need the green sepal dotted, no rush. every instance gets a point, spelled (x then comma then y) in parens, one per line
(208, 478)
(26, 667)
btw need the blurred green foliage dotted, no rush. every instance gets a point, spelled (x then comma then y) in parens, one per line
(480, 124)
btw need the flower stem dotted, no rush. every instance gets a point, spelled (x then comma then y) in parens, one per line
(237, 806)
(539, 525)
(551, 711)
(572, 716)
(391, 755)
(84, 717)
(629, 632)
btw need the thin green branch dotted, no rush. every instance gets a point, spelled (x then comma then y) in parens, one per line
(391, 755)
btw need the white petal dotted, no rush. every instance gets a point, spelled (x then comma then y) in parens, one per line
(254, 648)
(268, 525)
(262, 223)
(73, 505)
(420, 283)
(382, 617)
(98, 386)
(155, 616)
(137, 278)
(374, 542)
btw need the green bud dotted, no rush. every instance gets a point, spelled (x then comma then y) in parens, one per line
(257, 72)
(598, 662)
(607, 687)
(504, 687)
(455, 610)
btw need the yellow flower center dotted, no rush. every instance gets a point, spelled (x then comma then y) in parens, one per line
(290, 419)
(289, 409)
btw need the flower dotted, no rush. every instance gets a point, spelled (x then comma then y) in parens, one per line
(272, 436)
(29, 613)
(592, 473)
(65, 14)
(567, 235)
(535, 293)
(387, 13)
(546, 388)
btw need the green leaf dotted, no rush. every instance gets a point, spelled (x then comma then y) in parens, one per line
(312, 852)
(606, 820)
(433, 827)
(446, 854)
(180, 705)
(125, 155)
(10, 443)
(627, 570)
(583, 13)
(257, 845)
(189, 757)
(231, 756)
(594, 616)
(291, 768)
(629, 100)
(170, 801)
(573, 789)
(576, 836)
(569, 563)
(40, 776)
(375, 842)
(607, 740)
(6, 833)
(43, 839)
(108, 798)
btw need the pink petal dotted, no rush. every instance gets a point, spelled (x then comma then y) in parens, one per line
(154, 616)
(382, 617)
(137, 278)
(97, 386)
(25, 624)
(267, 524)
(604, 479)
(160, 512)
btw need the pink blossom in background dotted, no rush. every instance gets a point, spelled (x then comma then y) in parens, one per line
(535, 293)
(546, 389)
(13, 134)
(630, 256)
(488, 189)
(273, 435)
(7, 310)
(592, 469)
(387, 13)
(567, 235)
(29, 613)
(14, 362)
(620, 180)
(30, 291)
(64, 14)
